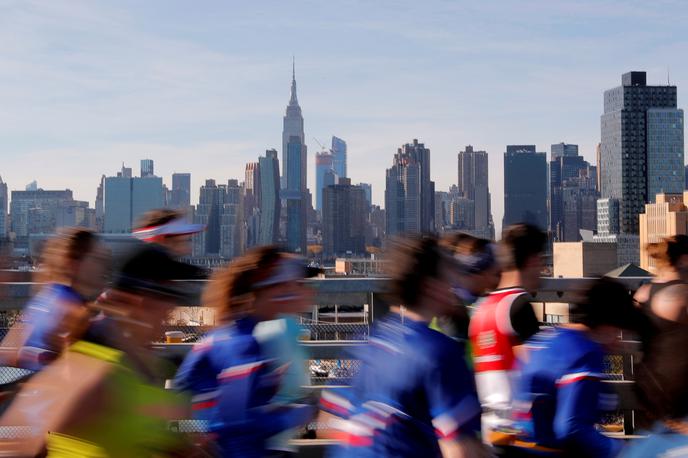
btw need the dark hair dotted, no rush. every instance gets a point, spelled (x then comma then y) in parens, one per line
(157, 217)
(519, 243)
(69, 244)
(667, 252)
(605, 302)
(411, 260)
(231, 289)
(475, 255)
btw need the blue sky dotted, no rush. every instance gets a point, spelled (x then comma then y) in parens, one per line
(201, 87)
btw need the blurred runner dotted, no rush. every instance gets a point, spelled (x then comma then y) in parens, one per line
(480, 274)
(668, 439)
(412, 396)
(280, 340)
(231, 376)
(74, 266)
(661, 375)
(105, 395)
(504, 319)
(560, 395)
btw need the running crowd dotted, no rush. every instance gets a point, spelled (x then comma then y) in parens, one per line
(459, 367)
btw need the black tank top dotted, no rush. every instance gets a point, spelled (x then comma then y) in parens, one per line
(662, 374)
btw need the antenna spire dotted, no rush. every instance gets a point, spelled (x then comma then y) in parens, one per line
(293, 100)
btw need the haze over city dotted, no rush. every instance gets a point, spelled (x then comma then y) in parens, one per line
(86, 86)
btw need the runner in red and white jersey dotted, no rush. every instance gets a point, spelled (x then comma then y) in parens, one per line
(504, 320)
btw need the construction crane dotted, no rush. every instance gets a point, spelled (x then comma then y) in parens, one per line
(322, 147)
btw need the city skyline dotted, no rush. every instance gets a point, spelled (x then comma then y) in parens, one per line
(194, 103)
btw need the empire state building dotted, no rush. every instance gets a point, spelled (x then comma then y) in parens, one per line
(294, 186)
(293, 127)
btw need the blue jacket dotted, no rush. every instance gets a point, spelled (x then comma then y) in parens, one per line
(413, 389)
(560, 395)
(233, 384)
(45, 319)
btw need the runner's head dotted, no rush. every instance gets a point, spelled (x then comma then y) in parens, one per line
(670, 254)
(478, 260)
(422, 275)
(264, 282)
(605, 308)
(521, 250)
(167, 227)
(74, 257)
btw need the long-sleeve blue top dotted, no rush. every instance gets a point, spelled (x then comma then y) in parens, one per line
(560, 395)
(232, 384)
(45, 322)
(413, 389)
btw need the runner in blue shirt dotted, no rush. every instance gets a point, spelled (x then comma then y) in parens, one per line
(413, 395)
(74, 266)
(560, 394)
(230, 375)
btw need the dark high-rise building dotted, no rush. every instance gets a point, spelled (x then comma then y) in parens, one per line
(268, 232)
(324, 175)
(368, 188)
(4, 202)
(339, 157)
(641, 151)
(563, 150)
(345, 213)
(181, 191)
(211, 199)
(251, 203)
(525, 186)
(293, 127)
(147, 168)
(473, 185)
(578, 199)
(572, 193)
(231, 222)
(409, 192)
(295, 193)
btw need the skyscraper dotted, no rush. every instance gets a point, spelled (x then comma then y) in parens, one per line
(4, 202)
(147, 168)
(473, 185)
(231, 221)
(642, 145)
(324, 175)
(563, 150)
(211, 199)
(127, 198)
(368, 188)
(293, 127)
(294, 168)
(251, 203)
(36, 211)
(295, 194)
(409, 192)
(181, 191)
(345, 214)
(572, 192)
(339, 157)
(268, 232)
(525, 186)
